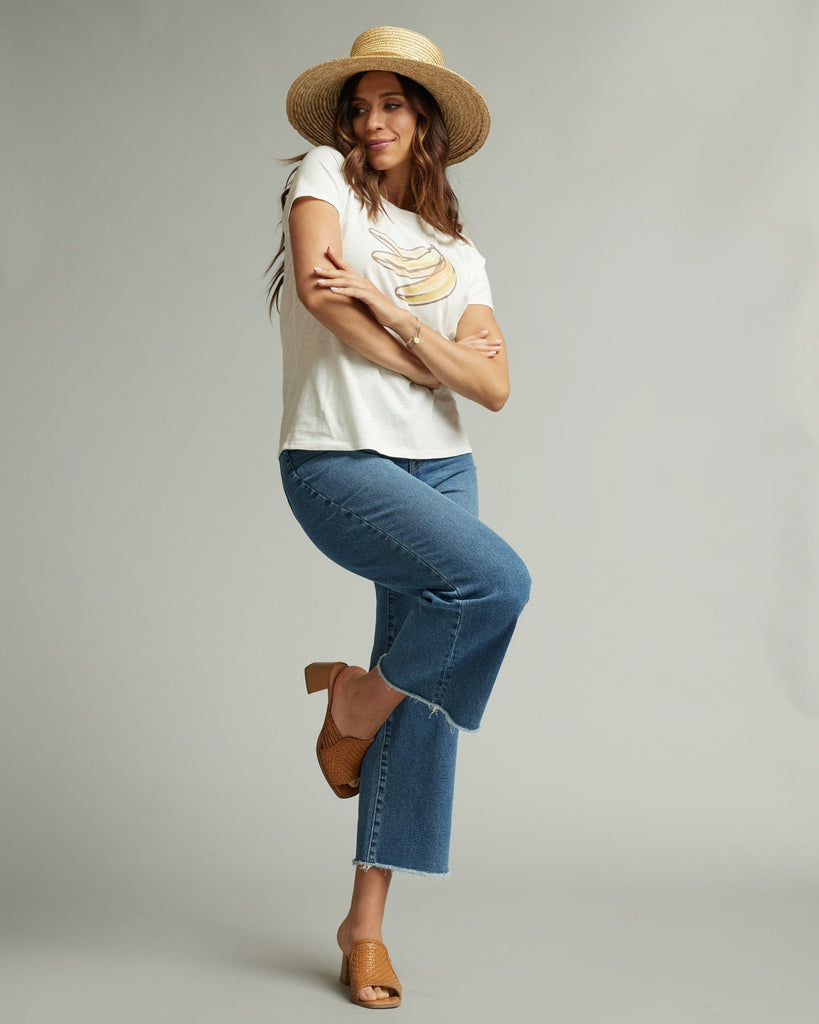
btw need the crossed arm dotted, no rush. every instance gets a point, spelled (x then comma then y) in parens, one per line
(356, 312)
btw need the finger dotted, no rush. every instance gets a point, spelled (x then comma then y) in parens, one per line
(335, 279)
(338, 288)
(332, 255)
(350, 290)
(481, 345)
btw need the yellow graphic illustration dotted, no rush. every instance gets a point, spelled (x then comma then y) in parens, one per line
(433, 276)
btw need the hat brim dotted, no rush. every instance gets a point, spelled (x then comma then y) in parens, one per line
(313, 98)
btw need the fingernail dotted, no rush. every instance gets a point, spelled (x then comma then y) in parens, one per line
(330, 248)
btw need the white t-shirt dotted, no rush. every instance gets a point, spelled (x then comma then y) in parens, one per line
(335, 399)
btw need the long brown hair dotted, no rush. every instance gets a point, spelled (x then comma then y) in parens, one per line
(432, 195)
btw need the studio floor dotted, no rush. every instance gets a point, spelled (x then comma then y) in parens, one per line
(573, 955)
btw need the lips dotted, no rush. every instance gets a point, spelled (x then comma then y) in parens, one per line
(378, 144)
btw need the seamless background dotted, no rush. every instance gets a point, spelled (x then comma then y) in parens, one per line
(636, 831)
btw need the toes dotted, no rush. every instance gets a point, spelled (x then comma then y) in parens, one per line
(369, 994)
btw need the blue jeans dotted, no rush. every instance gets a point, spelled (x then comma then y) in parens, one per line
(448, 594)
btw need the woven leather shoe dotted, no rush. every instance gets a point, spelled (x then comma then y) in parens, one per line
(369, 966)
(339, 757)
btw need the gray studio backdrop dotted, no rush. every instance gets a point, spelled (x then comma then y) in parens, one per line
(647, 205)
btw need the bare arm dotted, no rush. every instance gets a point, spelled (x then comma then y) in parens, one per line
(314, 226)
(462, 366)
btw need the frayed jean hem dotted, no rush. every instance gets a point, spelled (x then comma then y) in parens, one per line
(366, 865)
(434, 709)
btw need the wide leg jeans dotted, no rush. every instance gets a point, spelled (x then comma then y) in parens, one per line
(448, 595)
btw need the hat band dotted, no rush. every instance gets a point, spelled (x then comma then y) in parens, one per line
(392, 53)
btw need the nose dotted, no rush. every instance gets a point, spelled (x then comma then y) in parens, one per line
(375, 120)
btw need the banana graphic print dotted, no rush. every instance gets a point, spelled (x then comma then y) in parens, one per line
(433, 276)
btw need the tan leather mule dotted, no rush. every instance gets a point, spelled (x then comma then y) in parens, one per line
(339, 756)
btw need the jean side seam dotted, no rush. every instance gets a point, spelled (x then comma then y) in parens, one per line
(446, 675)
(378, 802)
(375, 820)
(390, 619)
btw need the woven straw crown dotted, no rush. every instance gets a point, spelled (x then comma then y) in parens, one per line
(313, 97)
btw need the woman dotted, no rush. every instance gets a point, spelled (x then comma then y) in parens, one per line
(385, 312)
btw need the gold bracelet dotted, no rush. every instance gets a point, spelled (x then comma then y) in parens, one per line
(415, 337)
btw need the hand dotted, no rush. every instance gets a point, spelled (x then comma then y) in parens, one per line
(341, 279)
(481, 342)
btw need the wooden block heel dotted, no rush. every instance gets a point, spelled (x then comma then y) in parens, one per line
(319, 674)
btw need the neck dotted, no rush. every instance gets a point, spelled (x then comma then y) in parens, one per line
(396, 189)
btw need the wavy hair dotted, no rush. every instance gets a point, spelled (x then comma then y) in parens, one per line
(432, 195)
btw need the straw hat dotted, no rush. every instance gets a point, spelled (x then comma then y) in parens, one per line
(312, 98)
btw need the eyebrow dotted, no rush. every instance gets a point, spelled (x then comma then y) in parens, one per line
(382, 95)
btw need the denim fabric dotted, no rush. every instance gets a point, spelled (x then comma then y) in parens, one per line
(448, 594)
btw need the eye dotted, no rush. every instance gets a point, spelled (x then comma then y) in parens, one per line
(392, 106)
(356, 110)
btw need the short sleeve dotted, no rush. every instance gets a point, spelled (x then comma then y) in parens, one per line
(319, 176)
(478, 291)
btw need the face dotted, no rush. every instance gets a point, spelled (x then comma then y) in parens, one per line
(384, 120)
